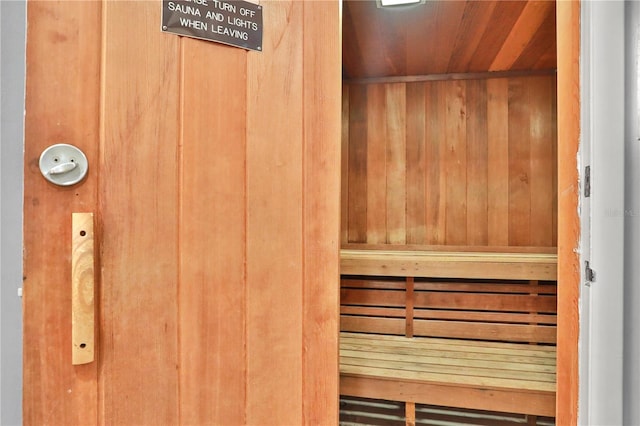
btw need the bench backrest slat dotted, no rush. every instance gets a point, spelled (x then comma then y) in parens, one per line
(495, 310)
(486, 331)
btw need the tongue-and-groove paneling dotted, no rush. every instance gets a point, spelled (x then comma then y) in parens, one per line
(451, 162)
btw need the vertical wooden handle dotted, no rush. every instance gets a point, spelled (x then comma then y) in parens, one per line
(82, 289)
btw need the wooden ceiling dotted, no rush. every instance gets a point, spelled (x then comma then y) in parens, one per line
(445, 36)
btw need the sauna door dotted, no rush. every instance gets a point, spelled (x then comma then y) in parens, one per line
(214, 183)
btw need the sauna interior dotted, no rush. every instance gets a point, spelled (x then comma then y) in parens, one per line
(449, 213)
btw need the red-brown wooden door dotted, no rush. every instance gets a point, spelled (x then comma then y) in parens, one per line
(214, 180)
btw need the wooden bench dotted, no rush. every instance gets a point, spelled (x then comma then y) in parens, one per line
(468, 328)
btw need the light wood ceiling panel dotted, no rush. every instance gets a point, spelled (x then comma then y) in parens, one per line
(442, 37)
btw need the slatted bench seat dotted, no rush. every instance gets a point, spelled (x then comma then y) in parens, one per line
(469, 329)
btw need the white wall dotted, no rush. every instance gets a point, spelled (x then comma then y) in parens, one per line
(610, 335)
(12, 72)
(632, 217)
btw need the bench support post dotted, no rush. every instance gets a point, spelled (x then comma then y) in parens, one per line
(410, 413)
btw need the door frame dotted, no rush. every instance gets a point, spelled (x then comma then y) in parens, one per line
(569, 231)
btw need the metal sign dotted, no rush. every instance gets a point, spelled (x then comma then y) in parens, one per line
(234, 22)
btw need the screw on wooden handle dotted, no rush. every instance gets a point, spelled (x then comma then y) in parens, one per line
(82, 289)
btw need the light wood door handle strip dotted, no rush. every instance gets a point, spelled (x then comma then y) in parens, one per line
(82, 289)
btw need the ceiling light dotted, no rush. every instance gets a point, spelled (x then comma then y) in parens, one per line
(393, 3)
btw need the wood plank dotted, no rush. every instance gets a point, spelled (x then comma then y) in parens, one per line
(394, 252)
(542, 165)
(452, 248)
(344, 171)
(357, 210)
(448, 265)
(212, 235)
(368, 324)
(484, 316)
(458, 269)
(465, 345)
(444, 377)
(275, 154)
(554, 114)
(498, 162)
(485, 302)
(508, 365)
(414, 78)
(376, 176)
(485, 331)
(484, 287)
(62, 105)
(448, 18)
(450, 349)
(396, 203)
(321, 297)
(417, 27)
(429, 362)
(140, 121)
(372, 311)
(400, 364)
(519, 164)
(540, 403)
(540, 52)
(344, 167)
(532, 17)
(507, 13)
(477, 166)
(416, 164)
(395, 284)
(436, 167)
(568, 33)
(372, 297)
(475, 22)
(351, 52)
(455, 160)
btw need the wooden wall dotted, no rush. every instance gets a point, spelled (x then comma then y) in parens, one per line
(452, 162)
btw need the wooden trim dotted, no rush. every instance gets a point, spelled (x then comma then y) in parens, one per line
(568, 53)
(452, 76)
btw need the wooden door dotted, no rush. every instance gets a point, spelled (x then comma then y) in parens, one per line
(214, 180)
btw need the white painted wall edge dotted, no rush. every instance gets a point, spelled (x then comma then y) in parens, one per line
(632, 216)
(601, 399)
(12, 80)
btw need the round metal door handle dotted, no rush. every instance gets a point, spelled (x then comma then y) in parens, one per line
(63, 164)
